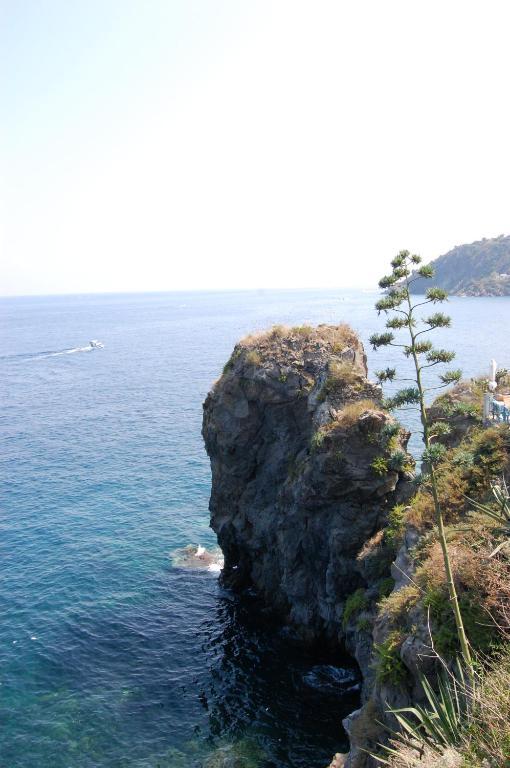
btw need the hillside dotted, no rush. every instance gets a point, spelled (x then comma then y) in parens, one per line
(478, 269)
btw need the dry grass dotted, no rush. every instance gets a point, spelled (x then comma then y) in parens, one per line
(397, 605)
(343, 369)
(483, 587)
(253, 357)
(489, 736)
(452, 486)
(371, 546)
(467, 566)
(426, 758)
(302, 330)
(349, 415)
(278, 332)
(375, 556)
(337, 337)
(473, 567)
(346, 337)
(342, 374)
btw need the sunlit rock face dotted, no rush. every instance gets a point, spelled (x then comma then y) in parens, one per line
(305, 467)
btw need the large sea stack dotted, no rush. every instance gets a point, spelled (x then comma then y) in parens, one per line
(305, 467)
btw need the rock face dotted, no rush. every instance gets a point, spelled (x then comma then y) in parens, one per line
(305, 467)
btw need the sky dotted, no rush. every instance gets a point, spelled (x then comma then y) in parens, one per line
(223, 144)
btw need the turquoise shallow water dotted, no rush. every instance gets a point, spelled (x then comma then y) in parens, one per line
(109, 655)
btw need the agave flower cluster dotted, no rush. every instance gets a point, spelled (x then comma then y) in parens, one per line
(403, 316)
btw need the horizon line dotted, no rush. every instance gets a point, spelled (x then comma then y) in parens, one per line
(187, 290)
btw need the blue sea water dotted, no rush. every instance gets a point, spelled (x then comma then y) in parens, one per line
(110, 655)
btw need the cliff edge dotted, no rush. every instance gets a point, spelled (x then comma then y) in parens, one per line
(305, 468)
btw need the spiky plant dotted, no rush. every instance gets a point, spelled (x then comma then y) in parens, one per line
(439, 724)
(500, 512)
(403, 316)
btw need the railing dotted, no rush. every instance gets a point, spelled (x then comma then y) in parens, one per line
(494, 410)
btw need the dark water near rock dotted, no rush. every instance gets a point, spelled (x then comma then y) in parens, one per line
(110, 653)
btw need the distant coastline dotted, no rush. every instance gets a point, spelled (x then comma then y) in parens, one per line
(481, 268)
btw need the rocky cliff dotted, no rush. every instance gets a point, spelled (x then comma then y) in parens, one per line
(305, 468)
(314, 510)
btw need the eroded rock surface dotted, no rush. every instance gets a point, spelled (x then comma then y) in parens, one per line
(305, 467)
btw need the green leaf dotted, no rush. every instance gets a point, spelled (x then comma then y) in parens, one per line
(433, 454)
(392, 300)
(400, 259)
(426, 271)
(440, 356)
(451, 377)
(381, 340)
(502, 500)
(438, 320)
(386, 304)
(441, 723)
(397, 323)
(388, 374)
(421, 347)
(387, 281)
(439, 428)
(436, 295)
(408, 396)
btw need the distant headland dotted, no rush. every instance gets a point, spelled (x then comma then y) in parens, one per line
(481, 268)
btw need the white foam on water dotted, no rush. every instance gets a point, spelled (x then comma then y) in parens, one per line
(71, 351)
(326, 677)
(197, 557)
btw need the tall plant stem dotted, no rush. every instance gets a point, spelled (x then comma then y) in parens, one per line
(452, 591)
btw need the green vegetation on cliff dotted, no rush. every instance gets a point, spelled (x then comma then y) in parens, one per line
(471, 469)
(478, 269)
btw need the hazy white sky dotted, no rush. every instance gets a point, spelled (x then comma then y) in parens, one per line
(171, 144)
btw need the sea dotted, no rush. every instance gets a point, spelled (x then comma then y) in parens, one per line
(113, 651)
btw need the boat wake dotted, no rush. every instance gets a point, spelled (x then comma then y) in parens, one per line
(196, 557)
(63, 352)
(92, 345)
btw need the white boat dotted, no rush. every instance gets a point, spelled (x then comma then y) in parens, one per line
(95, 344)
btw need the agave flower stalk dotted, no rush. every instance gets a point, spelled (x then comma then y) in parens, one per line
(403, 316)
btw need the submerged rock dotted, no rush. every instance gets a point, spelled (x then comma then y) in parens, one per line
(196, 557)
(305, 467)
(240, 754)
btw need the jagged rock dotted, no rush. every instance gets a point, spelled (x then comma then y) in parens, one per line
(338, 760)
(364, 731)
(301, 470)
